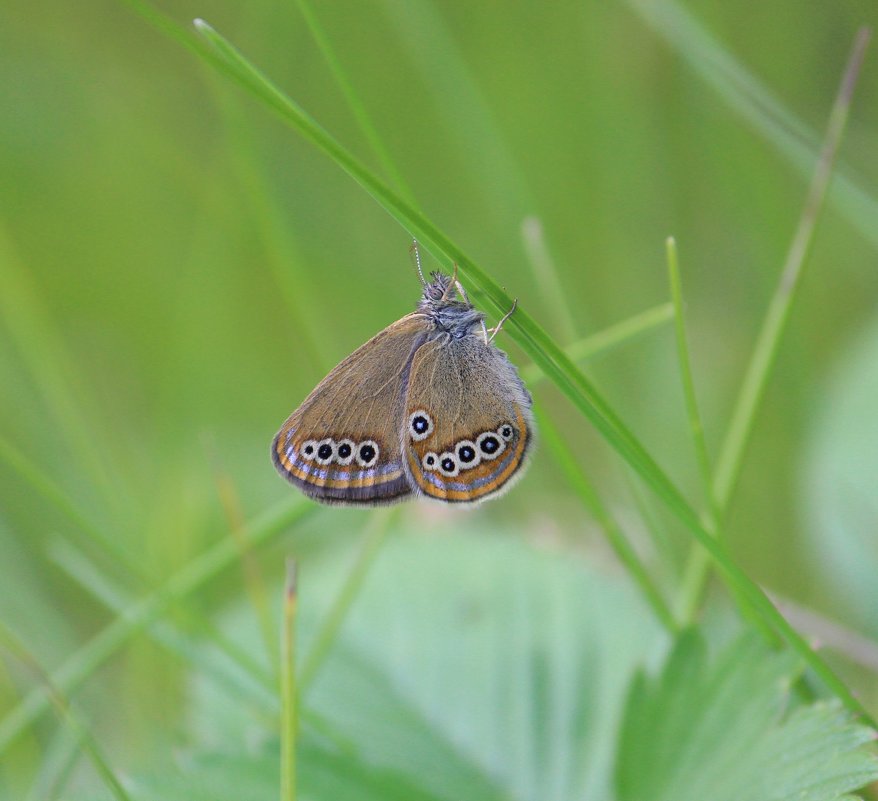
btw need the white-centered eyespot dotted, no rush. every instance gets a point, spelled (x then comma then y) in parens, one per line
(490, 445)
(506, 431)
(420, 425)
(430, 461)
(467, 453)
(344, 451)
(448, 465)
(325, 451)
(309, 449)
(367, 453)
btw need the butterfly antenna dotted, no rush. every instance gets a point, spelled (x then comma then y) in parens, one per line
(415, 254)
(496, 329)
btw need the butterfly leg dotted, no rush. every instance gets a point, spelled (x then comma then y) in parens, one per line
(496, 329)
(463, 294)
(454, 283)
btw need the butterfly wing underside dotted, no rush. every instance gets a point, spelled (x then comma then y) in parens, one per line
(468, 426)
(342, 444)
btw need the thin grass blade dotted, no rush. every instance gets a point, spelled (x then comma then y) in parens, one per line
(80, 730)
(83, 663)
(289, 690)
(614, 534)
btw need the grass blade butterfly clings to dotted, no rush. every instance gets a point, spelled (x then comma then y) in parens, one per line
(429, 406)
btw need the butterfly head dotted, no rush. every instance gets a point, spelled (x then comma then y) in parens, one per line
(441, 302)
(441, 290)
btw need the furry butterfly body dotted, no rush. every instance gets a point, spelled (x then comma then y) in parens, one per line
(429, 406)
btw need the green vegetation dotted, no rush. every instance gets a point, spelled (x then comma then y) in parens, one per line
(177, 270)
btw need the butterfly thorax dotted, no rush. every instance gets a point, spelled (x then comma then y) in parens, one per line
(446, 311)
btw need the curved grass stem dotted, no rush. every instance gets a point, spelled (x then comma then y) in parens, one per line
(612, 531)
(289, 691)
(84, 662)
(759, 369)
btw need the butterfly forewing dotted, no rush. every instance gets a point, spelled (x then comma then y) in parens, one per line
(342, 444)
(467, 425)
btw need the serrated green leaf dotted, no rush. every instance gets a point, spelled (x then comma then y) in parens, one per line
(721, 730)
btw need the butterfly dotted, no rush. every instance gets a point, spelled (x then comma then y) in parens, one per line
(427, 407)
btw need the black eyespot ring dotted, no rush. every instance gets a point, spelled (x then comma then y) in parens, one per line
(344, 451)
(506, 431)
(468, 455)
(309, 449)
(430, 460)
(490, 445)
(367, 453)
(448, 465)
(325, 451)
(420, 425)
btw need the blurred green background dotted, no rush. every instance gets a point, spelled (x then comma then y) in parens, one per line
(178, 269)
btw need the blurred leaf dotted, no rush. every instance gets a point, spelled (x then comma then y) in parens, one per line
(481, 668)
(215, 777)
(325, 777)
(721, 731)
(474, 667)
(840, 485)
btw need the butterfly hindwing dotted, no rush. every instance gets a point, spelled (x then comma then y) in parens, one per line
(467, 427)
(342, 444)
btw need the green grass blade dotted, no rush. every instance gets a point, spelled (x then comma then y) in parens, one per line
(768, 341)
(80, 730)
(82, 664)
(373, 541)
(254, 579)
(546, 273)
(358, 108)
(40, 482)
(696, 428)
(165, 632)
(592, 501)
(60, 759)
(289, 691)
(96, 583)
(602, 341)
(695, 576)
(535, 342)
(757, 105)
(483, 147)
(280, 251)
(765, 352)
(32, 329)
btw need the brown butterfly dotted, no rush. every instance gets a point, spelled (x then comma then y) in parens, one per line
(429, 406)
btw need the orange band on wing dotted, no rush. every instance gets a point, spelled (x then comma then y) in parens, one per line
(497, 481)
